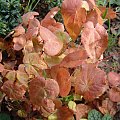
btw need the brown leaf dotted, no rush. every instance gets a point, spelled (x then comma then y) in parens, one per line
(33, 28)
(50, 23)
(74, 16)
(114, 79)
(110, 13)
(41, 89)
(19, 30)
(27, 17)
(114, 94)
(74, 59)
(90, 82)
(63, 79)
(1, 67)
(52, 45)
(19, 42)
(94, 39)
(81, 111)
(108, 107)
(64, 113)
(13, 90)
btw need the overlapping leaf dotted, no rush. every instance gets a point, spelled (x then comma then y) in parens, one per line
(14, 90)
(52, 45)
(94, 39)
(74, 16)
(41, 89)
(90, 81)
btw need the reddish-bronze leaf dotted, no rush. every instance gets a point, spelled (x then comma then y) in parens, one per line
(0, 56)
(33, 28)
(74, 59)
(90, 82)
(74, 16)
(94, 39)
(114, 94)
(50, 23)
(81, 111)
(19, 42)
(41, 89)
(114, 79)
(64, 113)
(110, 13)
(28, 16)
(19, 30)
(108, 107)
(63, 79)
(1, 67)
(52, 45)
(13, 90)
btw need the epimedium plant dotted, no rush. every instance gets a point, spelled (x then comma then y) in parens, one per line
(53, 67)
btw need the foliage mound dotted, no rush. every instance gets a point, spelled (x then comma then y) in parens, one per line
(50, 76)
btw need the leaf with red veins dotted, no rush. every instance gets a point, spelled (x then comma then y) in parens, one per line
(28, 16)
(74, 16)
(41, 89)
(74, 59)
(50, 23)
(94, 39)
(114, 79)
(90, 82)
(19, 42)
(19, 30)
(114, 94)
(64, 82)
(33, 28)
(13, 90)
(48, 107)
(52, 45)
(108, 107)
(11, 75)
(81, 111)
(64, 113)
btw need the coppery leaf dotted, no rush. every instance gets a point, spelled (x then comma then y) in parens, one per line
(110, 14)
(63, 81)
(107, 107)
(81, 111)
(52, 45)
(13, 90)
(114, 79)
(74, 59)
(28, 16)
(19, 30)
(94, 39)
(74, 16)
(41, 89)
(90, 81)
(64, 113)
(19, 42)
(114, 94)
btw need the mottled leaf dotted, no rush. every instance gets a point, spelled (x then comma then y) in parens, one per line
(74, 16)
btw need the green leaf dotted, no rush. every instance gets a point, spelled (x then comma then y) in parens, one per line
(107, 117)
(94, 115)
(4, 116)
